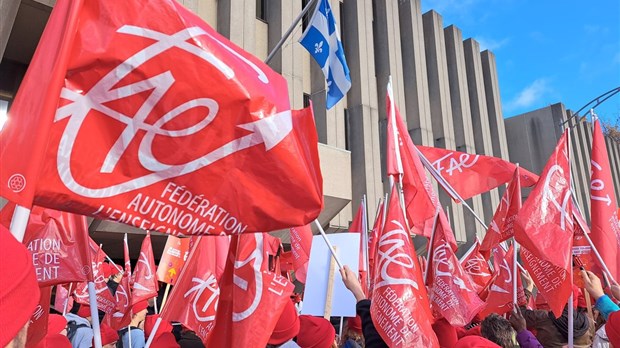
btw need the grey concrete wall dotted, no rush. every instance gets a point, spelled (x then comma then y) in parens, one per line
(8, 12)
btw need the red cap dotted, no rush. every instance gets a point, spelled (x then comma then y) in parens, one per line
(446, 333)
(109, 269)
(139, 307)
(149, 323)
(315, 332)
(84, 311)
(475, 342)
(108, 334)
(355, 324)
(165, 340)
(54, 341)
(56, 323)
(612, 328)
(19, 293)
(287, 326)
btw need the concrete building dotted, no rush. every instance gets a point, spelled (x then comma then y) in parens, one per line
(447, 90)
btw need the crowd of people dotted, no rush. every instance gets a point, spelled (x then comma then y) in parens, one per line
(593, 326)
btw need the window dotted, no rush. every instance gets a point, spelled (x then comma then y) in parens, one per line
(347, 130)
(261, 9)
(306, 100)
(306, 19)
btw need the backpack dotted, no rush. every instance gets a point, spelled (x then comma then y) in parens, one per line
(72, 328)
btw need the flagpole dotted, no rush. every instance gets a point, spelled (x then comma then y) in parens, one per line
(329, 244)
(365, 239)
(470, 250)
(19, 222)
(94, 314)
(385, 204)
(289, 31)
(430, 245)
(64, 310)
(514, 271)
(153, 332)
(571, 321)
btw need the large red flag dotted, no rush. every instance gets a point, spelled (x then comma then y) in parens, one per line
(544, 227)
(502, 225)
(452, 293)
(194, 298)
(471, 174)
(145, 283)
(105, 300)
(477, 267)
(604, 215)
(501, 291)
(402, 159)
(58, 244)
(251, 297)
(301, 243)
(130, 84)
(400, 308)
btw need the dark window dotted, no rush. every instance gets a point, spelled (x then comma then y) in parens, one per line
(261, 9)
(306, 100)
(341, 23)
(306, 19)
(347, 130)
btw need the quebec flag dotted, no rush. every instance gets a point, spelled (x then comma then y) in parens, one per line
(322, 40)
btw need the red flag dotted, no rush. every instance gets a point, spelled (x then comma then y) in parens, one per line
(301, 243)
(402, 158)
(37, 329)
(471, 174)
(604, 216)
(477, 267)
(453, 294)
(105, 300)
(194, 298)
(57, 242)
(357, 226)
(62, 297)
(544, 226)
(502, 225)
(130, 84)
(399, 308)
(145, 283)
(372, 245)
(251, 298)
(121, 317)
(500, 296)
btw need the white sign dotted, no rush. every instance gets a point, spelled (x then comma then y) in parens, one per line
(315, 293)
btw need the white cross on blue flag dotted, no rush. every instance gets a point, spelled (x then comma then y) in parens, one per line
(322, 40)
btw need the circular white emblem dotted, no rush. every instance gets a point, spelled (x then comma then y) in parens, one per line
(17, 183)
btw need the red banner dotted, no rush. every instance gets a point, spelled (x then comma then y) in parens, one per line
(502, 225)
(145, 283)
(251, 297)
(477, 267)
(37, 328)
(400, 308)
(62, 297)
(544, 226)
(105, 300)
(501, 292)
(130, 84)
(605, 224)
(122, 314)
(471, 174)
(301, 244)
(57, 243)
(172, 259)
(420, 199)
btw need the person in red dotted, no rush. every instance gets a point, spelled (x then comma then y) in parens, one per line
(19, 291)
(286, 328)
(315, 332)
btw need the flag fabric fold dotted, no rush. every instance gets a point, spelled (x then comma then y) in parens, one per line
(114, 91)
(301, 244)
(145, 283)
(477, 267)
(500, 296)
(322, 40)
(400, 307)
(604, 215)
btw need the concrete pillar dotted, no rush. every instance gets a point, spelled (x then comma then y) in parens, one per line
(414, 72)
(494, 105)
(280, 15)
(480, 116)
(580, 167)
(8, 13)
(206, 9)
(441, 105)
(362, 104)
(613, 150)
(461, 118)
(235, 20)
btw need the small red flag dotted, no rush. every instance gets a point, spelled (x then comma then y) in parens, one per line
(544, 228)
(400, 308)
(301, 244)
(502, 225)
(105, 300)
(500, 296)
(251, 297)
(471, 174)
(122, 314)
(372, 245)
(145, 283)
(604, 215)
(477, 267)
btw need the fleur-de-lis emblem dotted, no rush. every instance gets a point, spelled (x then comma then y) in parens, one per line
(318, 47)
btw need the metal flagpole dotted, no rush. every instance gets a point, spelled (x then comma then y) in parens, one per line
(365, 240)
(430, 245)
(19, 222)
(153, 332)
(514, 271)
(64, 310)
(289, 31)
(94, 314)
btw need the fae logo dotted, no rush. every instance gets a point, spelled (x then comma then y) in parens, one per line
(550, 196)
(133, 126)
(204, 304)
(244, 269)
(391, 251)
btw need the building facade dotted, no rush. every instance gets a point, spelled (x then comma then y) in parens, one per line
(445, 87)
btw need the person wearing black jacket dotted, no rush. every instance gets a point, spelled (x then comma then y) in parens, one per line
(372, 339)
